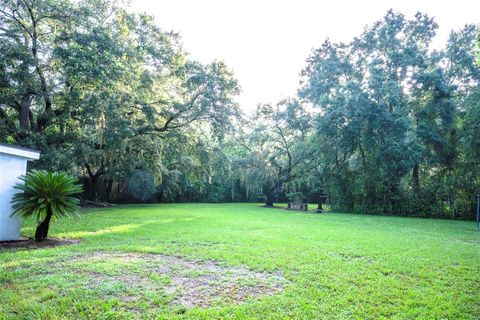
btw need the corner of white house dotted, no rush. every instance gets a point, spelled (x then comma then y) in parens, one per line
(13, 164)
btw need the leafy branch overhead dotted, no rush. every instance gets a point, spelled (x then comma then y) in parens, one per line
(96, 82)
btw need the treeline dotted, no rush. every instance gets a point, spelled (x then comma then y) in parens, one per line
(108, 96)
(400, 123)
(383, 124)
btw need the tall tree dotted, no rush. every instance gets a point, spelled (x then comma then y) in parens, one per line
(279, 138)
(97, 88)
(391, 111)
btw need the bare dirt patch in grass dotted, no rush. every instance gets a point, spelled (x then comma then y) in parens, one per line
(175, 280)
(32, 244)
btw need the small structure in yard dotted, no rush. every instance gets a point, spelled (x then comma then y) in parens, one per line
(13, 164)
(297, 206)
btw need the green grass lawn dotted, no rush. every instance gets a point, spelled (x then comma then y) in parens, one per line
(340, 266)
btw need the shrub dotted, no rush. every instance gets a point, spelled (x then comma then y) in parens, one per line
(44, 195)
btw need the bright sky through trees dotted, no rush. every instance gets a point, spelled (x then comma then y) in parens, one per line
(267, 42)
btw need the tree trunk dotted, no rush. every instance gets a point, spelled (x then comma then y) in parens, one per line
(267, 190)
(42, 229)
(416, 177)
(108, 190)
(93, 179)
(25, 112)
(268, 202)
(92, 187)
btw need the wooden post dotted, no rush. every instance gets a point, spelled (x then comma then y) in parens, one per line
(478, 211)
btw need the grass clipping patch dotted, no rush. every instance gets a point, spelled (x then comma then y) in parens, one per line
(172, 280)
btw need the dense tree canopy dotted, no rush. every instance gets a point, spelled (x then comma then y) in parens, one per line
(382, 124)
(101, 91)
(397, 114)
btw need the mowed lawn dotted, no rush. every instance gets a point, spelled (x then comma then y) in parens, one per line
(333, 266)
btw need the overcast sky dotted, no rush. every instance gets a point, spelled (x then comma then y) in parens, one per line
(266, 43)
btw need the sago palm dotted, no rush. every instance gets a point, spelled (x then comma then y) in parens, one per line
(44, 195)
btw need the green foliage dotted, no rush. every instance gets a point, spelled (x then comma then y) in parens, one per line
(109, 94)
(141, 185)
(295, 196)
(41, 192)
(392, 124)
(381, 124)
(277, 148)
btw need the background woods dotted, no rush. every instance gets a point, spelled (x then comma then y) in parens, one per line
(382, 124)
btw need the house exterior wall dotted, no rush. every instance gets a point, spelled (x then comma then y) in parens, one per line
(11, 168)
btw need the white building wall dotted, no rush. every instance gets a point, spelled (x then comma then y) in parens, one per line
(11, 168)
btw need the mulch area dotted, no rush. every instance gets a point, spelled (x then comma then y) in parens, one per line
(32, 244)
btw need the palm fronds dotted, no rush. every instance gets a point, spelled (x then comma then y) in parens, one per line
(41, 191)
